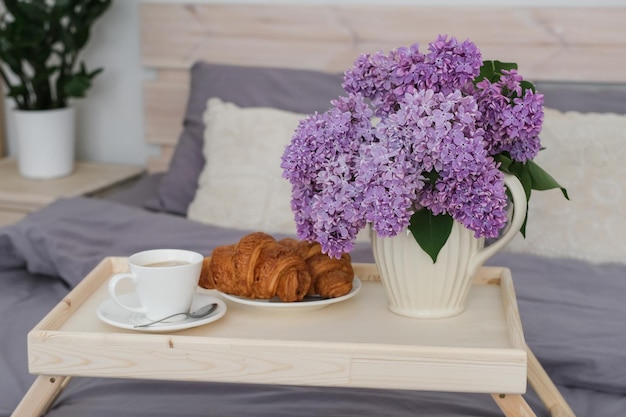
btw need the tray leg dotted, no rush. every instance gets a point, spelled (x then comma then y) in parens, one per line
(546, 390)
(40, 396)
(513, 405)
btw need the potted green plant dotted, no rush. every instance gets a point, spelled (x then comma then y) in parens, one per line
(40, 45)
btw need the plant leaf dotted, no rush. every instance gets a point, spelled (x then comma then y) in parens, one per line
(541, 180)
(432, 176)
(499, 66)
(486, 71)
(430, 232)
(523, 174)
(505, 162)
(527, 85)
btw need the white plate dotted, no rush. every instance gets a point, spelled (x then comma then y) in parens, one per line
(111, 313)
(304, 305)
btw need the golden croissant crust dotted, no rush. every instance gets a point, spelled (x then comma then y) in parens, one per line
(260, 267)
(330, 277)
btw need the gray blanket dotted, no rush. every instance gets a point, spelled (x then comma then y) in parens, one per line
(69, 237)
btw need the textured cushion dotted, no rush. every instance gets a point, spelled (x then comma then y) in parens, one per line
(586, 154)
(293, 90)
(241, 185)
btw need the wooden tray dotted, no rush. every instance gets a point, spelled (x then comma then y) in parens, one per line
(357, 343)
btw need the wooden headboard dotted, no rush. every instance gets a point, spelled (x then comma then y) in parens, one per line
(552, 44)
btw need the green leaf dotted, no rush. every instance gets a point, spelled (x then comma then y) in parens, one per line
(522, 173)
(541, 180)
(492, 70)
(527, 85)
(430, 232)
(76, 86)
(486, 71)
(499, 66)
(432, 176)
(531, 176)
(505, 162)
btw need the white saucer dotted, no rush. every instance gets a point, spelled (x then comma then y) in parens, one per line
(300, 306)
(111, 313)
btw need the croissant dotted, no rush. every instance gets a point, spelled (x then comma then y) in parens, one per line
(257, 267)
(330, 277)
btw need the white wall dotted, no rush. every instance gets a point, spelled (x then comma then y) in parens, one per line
(110, 125)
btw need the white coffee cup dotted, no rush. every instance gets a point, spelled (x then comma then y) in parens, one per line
(165, 281)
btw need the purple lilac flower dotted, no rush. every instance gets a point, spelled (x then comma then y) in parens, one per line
(432, 147)
(390, 178)
(369, 76)
(386, 79)
(452, 64)
(438, 132)
(511, 118)
(320, 163)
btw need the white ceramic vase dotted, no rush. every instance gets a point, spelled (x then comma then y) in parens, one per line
(417, 287)
(45, 142)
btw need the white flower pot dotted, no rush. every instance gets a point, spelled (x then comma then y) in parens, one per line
(417, 287)
(45, 142)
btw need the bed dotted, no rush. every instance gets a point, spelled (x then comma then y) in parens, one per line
(260, 67)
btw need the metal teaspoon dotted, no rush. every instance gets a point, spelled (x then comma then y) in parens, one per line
(197, 314)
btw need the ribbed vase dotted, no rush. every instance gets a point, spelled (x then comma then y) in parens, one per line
(418, 287)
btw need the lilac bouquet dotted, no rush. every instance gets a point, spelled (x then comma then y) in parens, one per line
(419, 140)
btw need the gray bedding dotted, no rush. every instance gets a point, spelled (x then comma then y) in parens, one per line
(573, 315)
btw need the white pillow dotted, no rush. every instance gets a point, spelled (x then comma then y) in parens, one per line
(585, 153)
(241, 184)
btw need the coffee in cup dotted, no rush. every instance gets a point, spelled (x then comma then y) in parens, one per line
(161, 264)
(165, 281)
